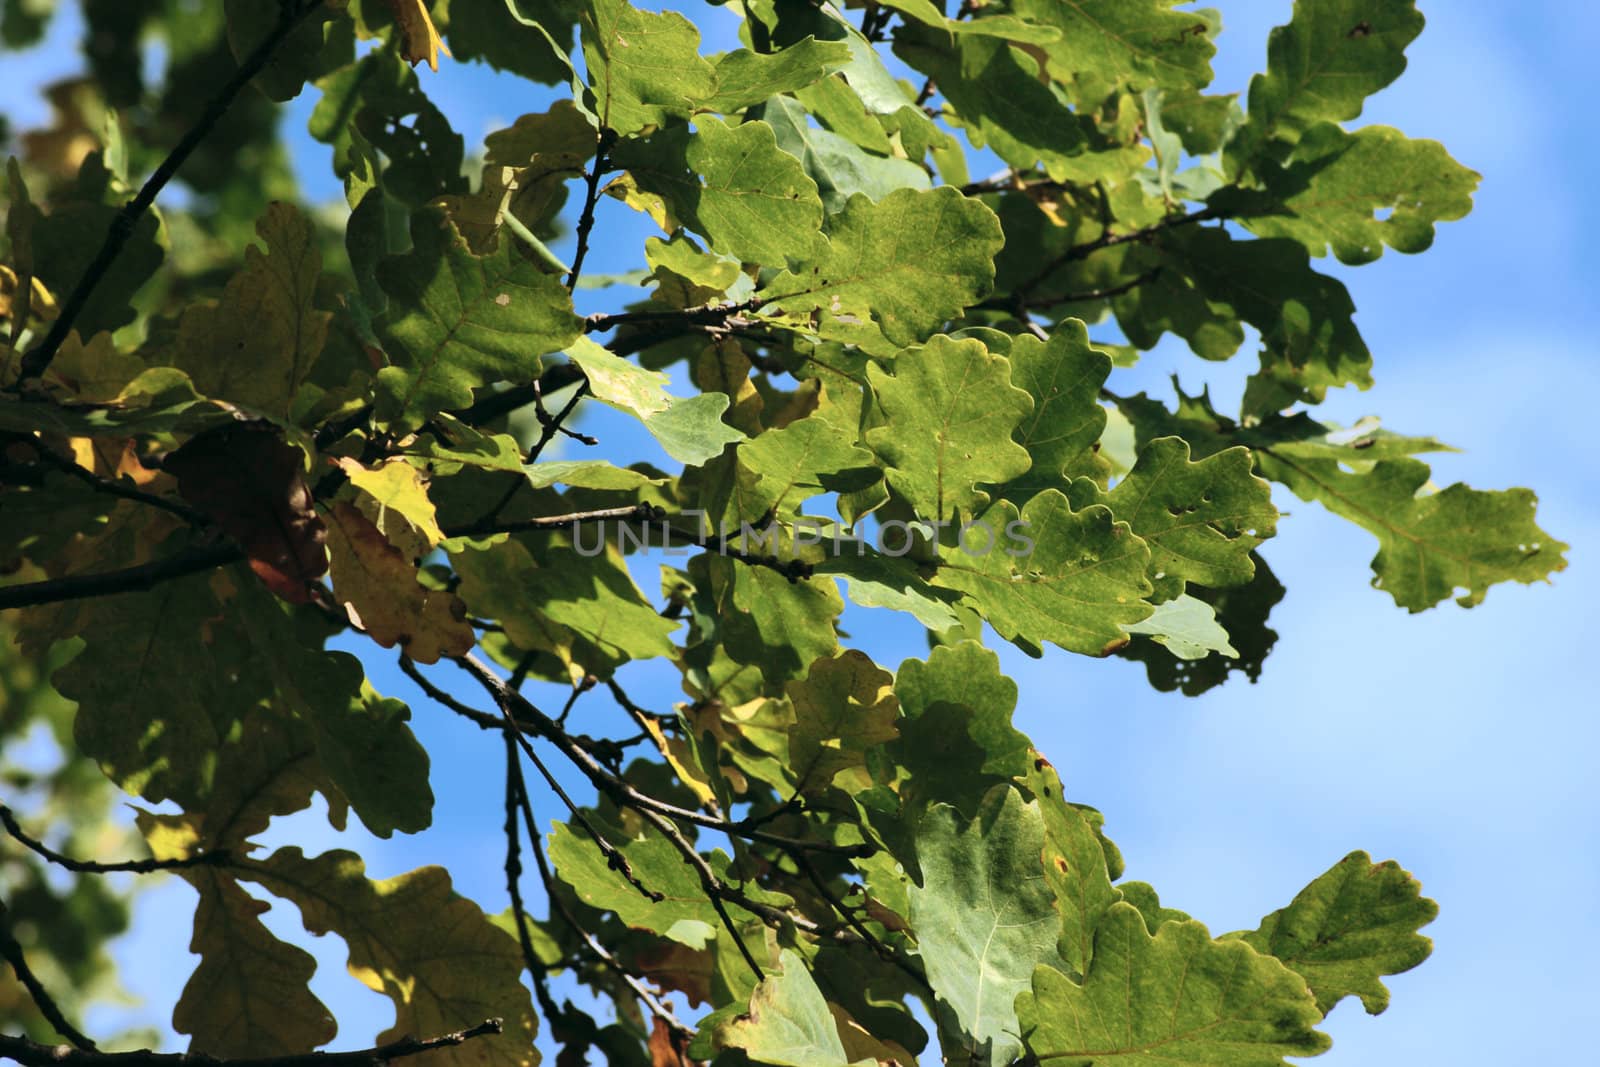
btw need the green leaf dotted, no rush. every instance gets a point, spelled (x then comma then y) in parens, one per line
(968, 675)
(564, 595)
(320, 43)
(840, 168)
(984, 917)
(1348, 929)
(502, 33)
(616, 382)
(459, 321)
(1178, 998)
(1188, 627)
(949, 414)
(1323, 65)
(643, 66)
(1338, 184)
(998, 98)
(684, 913)
(256, 346)
(1078, 576)
(156, 689)
(1210, 281)
(843, 708)
(732, 184)
(691, 430)
(875, 580)
(1075, 867)
(1432, 543)
(1241, 612)
(442, 962)
(788, 1022)
(746, 78)
(362, 739)
(796, 462)
(66, 241)
(910, 262)
(1133, 43)
(767, 621)
(1063, 376)
(1201, 519)
(587, 474)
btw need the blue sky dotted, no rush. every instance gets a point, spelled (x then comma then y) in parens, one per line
(1461, 743)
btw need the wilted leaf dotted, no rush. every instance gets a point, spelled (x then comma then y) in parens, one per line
(249, 481)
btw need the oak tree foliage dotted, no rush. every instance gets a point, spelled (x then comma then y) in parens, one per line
(235, 427)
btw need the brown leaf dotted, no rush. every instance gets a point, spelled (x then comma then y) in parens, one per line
(247, 479)
(666, 1047)
(378, 586)
(678, 968)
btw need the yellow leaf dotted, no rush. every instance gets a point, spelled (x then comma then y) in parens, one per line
(443, 963)
(399, 487)
(93, 373)
(418, 38)
(379, 589)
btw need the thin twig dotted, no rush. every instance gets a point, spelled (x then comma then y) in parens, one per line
(884, 952)
(614, 857)
(526, 714)
(591, 196)
(33, 1054)
(1111, 240)
(122, 227)
(598, 950)
(701, 314)
(146, 866)
(540, 974)
(115, 488)
(11, 952)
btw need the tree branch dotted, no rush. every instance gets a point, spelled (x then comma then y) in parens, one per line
(516, 788)
(145, 866)
(705, 314)
(591, 197)
(1111, 240)
(35, 362)
(202, 558)
(11, 952)
(48, 458)
(599, 951)
(33, 1054)
(128, 580)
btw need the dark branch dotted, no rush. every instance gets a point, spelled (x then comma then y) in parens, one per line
(515, 790)
(146, 866)
(592, 943)
(12, 953)
(109, 487)
(203, 558)
(705, 314)
(591, 197)
(128, 580)
(33, 1054)
(36, 361)
(1111, 240)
